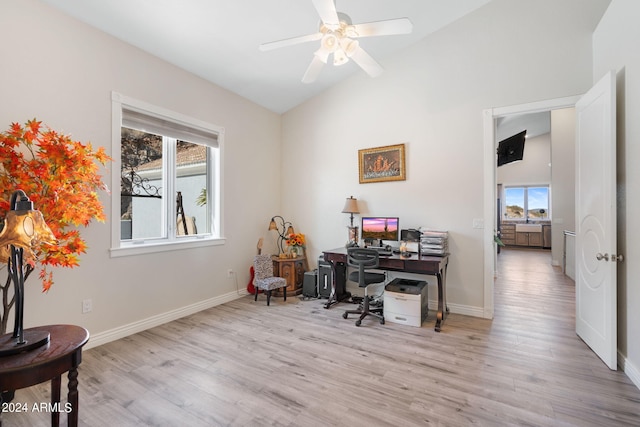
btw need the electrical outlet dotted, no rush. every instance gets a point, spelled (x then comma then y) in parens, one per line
(87, 305)
(229, 272)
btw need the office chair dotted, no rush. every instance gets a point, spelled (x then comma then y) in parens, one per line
(364, 259)
(264, 279)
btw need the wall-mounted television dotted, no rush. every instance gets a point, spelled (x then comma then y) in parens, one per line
(511, 149)
(380, 228)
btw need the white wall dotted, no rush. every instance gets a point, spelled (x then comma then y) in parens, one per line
(563, 188)
(534, 167)
(431, 98)
(615, 47)
(62, 72)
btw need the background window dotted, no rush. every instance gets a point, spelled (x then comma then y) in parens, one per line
(538, 202)
(142, 184)
(514, 199)
(169, 179)
(526, 202)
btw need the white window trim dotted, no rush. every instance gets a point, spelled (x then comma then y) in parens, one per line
(118, 248)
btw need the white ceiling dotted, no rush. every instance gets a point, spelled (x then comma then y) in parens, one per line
(535, 124)
(218, 39)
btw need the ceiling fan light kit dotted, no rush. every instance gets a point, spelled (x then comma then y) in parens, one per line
(339, 57)
(329, 42)
(337, 34)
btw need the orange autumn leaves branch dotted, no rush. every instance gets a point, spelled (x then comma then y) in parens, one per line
(61, 177)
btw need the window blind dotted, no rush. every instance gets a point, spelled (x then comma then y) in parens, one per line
(166, 127)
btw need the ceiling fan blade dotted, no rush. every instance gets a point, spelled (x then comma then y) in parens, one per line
(328, 14)
(366, 62)
(313, 70)
(289, 42)
(384, 28)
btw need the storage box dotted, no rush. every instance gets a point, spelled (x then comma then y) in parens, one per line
(406, 302)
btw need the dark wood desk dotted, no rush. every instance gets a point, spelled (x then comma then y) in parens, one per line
(49, 362)
(429, 265)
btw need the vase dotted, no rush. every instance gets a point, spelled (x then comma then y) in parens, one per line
(293, 251)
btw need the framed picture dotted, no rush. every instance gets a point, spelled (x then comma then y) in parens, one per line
(382, 164)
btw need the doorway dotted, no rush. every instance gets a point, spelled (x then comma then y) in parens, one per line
(490, 118)
(524, 180)
(531, 192)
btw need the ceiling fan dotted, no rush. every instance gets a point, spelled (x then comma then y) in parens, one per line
(337, 36)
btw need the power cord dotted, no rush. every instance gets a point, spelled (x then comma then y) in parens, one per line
(235, 279)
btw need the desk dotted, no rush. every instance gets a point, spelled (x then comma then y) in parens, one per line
(429, 265)
(49, 362)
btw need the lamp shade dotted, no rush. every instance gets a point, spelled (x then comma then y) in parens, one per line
(339, 57)
(25, 229)
(351, 206)
(283, 228)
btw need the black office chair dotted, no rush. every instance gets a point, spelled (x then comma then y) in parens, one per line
(364, 259)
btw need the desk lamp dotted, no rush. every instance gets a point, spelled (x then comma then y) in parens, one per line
(284, 229)
(351, 207)
(23, 231)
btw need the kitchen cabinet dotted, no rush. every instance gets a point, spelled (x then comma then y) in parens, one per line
(508, 234)
(529, 239)
(534, 235)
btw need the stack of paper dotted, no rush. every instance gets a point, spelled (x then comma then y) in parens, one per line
(434, 242)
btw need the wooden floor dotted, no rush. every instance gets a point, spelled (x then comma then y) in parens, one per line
(297, 364)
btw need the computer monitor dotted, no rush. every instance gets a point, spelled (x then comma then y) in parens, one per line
(380, 228)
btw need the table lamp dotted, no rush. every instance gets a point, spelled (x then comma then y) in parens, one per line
(351, 207)
(23, 231)
(284, 228)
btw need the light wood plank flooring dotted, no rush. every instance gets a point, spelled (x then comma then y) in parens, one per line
(297, 364)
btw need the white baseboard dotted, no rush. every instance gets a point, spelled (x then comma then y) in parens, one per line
(466, 310)
(153, 321)
(631, 371)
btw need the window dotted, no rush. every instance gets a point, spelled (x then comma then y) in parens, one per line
(527, 203)
(167, 189)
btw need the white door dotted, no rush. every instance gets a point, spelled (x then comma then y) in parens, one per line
(596, 250)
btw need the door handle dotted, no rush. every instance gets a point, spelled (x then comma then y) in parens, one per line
(617, 258)
(601, 257)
